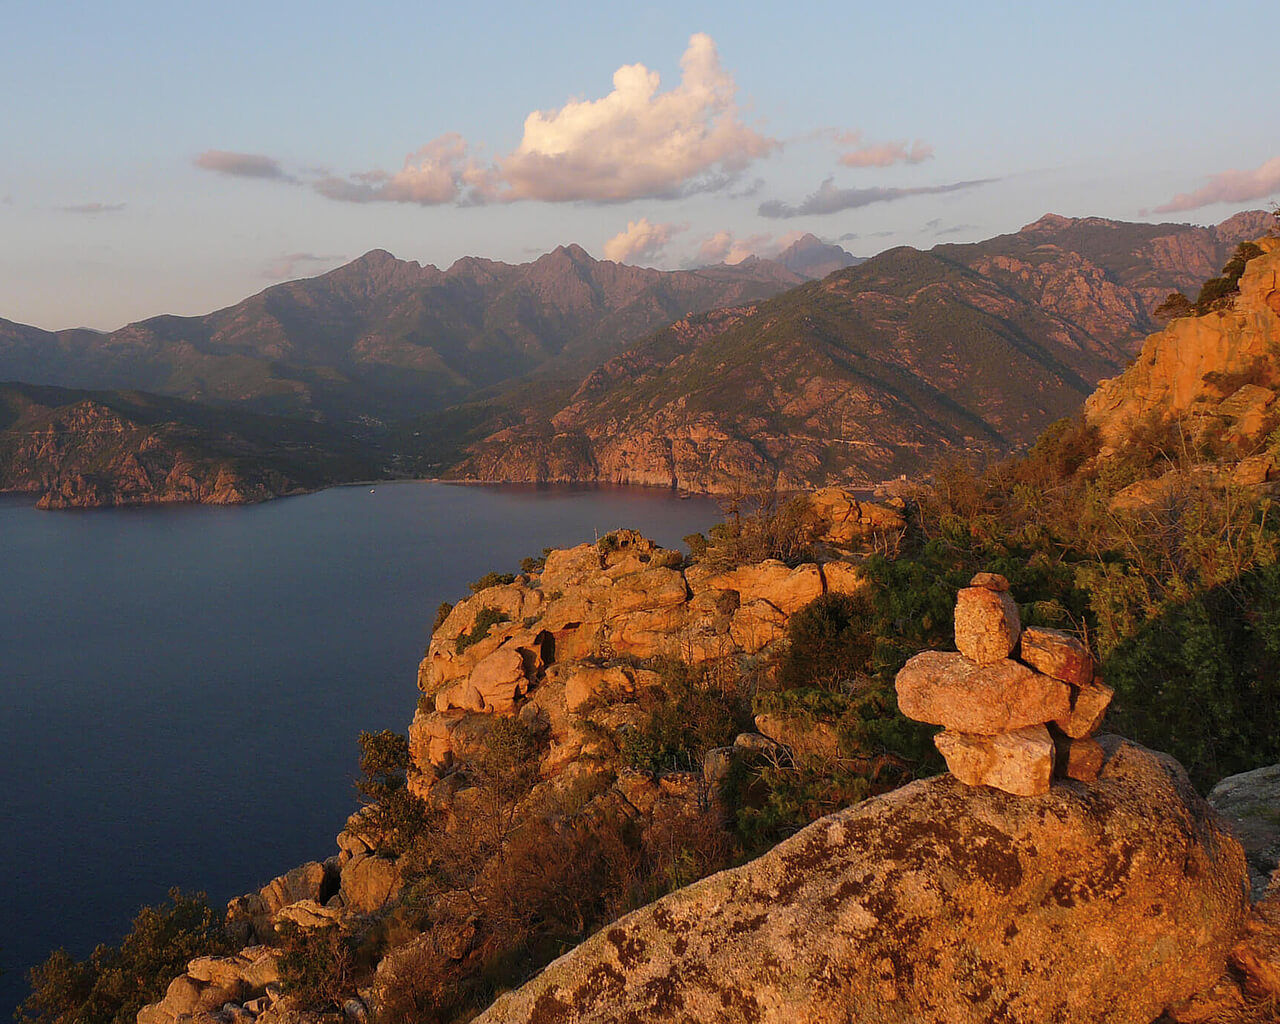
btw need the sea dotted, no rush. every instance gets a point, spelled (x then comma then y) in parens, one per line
(182, 686)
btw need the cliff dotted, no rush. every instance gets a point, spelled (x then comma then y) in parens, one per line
(1218, 372)
(89, 449)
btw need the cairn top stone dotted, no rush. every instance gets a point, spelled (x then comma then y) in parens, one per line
(990, 581)
(987, 624)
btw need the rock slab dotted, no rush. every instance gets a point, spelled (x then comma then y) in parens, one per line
(928, 903)
(945, 688)
(1018, 762)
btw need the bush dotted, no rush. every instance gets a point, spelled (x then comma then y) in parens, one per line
(1216, 291)
(115, 982)
(491, 579)
(684, 718)
(397, 818)
(830, 643)
(757, 527)
(1174, 306)
(317, 965)
(486, 618)
(442, 613)
(1201, 680)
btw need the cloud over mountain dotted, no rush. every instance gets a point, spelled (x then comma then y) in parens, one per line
(830, 199)
(640, 240)
(92, 208)
(292, 264)
(1229, 187)
(430, 176)
(724, 247)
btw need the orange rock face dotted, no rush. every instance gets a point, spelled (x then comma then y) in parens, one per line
(1172, 373)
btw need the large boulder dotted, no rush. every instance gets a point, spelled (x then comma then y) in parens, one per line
(1250, 802)
(936, 902)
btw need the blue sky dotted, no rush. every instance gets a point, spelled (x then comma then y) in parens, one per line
(165, 157)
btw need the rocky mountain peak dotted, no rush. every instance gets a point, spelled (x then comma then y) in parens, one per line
(1049, 222)
(811, 257)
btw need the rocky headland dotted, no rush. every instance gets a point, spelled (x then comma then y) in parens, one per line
(1103, 888)
(75, 449)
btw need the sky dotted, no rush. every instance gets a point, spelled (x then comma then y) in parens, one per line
(163, 157)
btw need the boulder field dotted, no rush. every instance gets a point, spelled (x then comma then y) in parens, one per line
(1113, 900)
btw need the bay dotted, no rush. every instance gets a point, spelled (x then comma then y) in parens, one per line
(181, 687)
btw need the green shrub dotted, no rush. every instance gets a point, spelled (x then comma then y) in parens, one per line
(115, 982)
(830, 643)
(1215, 292)
(397, 818)
(1201, 679)
(486, 618)
(317, 965)
(684, 718)
(491, 579)
(757, 527)
(442, 613)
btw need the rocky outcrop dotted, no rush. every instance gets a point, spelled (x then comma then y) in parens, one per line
(1218, 371)
(1250, 802)
(555, 645)
(76, 449)
(936, 902)
(214, 982)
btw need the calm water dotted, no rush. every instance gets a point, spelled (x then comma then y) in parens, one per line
(182, 686)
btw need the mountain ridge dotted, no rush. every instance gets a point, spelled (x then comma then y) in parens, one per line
(870, 371)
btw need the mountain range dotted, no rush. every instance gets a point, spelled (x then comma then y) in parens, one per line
(871, 371)
(386, 338)
(764, 372)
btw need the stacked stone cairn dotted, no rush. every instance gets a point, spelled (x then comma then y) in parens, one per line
(1008, 721)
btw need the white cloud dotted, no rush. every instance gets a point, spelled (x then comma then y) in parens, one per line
(724, 247)
(1229, 187)
(882, 154)
(430, 176)
(636, 142)
(639, 241)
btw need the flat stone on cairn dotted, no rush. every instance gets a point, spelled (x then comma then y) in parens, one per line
(1057, 654)
(1006, 723)
(946, 688)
